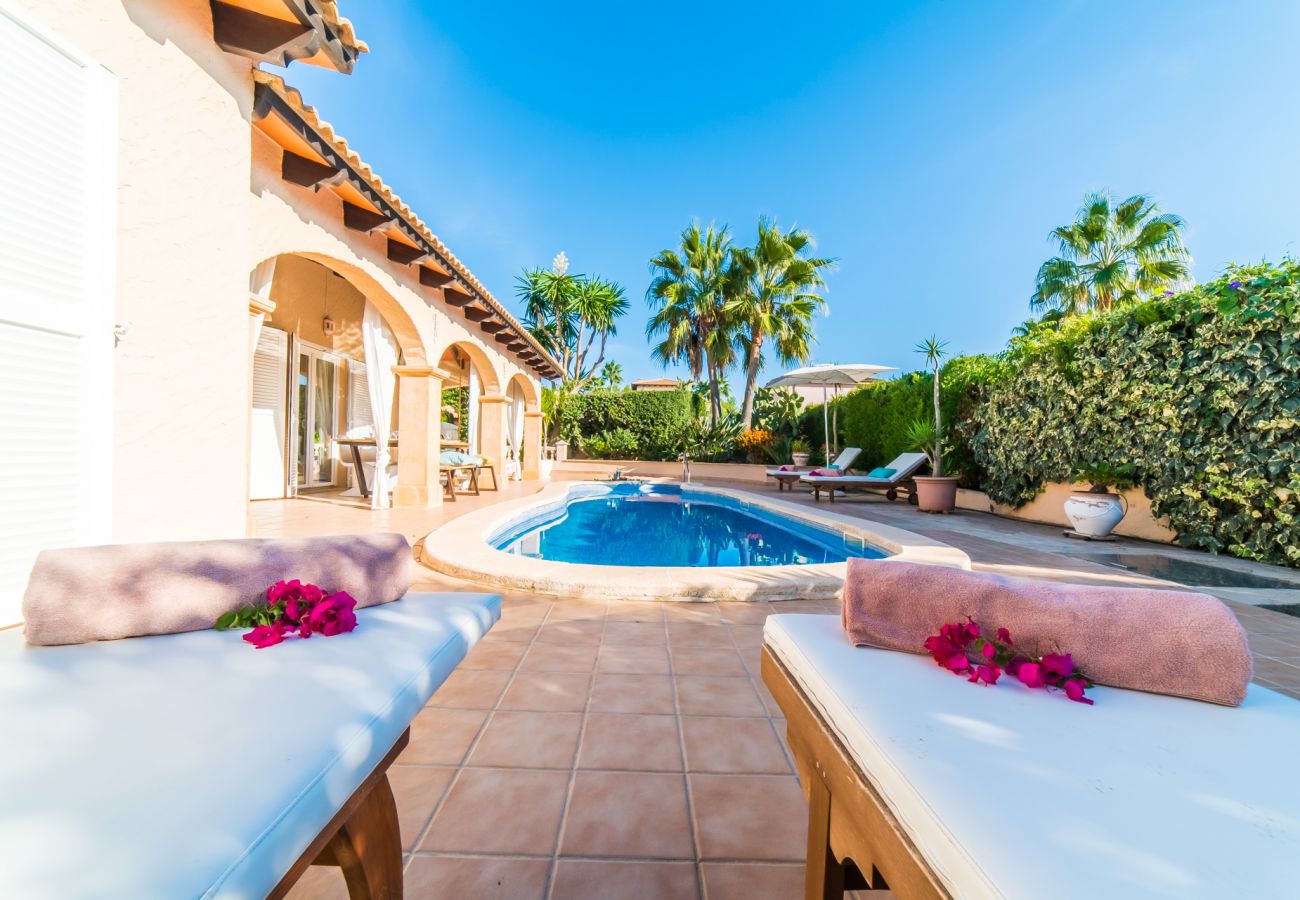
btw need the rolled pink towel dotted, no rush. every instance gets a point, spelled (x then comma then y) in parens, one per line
(817, 473)
(128, 590)
(786, 469)
(1164, 642)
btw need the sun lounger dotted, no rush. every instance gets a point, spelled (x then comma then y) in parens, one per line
(905, 465)
(787, 478)
(939, 788)
(192, 765)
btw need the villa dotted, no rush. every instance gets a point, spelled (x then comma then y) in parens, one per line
(313, 587)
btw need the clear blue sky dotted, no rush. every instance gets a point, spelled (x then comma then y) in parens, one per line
(929, 146)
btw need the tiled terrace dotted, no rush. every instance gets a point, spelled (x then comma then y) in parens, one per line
(629, 750)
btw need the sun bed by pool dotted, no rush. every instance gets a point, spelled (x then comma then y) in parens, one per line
(786, 478)
(940, 788)
(192, 765)
(904, 466)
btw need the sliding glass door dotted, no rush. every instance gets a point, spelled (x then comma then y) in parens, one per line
(315, 397)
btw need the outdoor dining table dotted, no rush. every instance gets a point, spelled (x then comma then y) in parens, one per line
(355, 444)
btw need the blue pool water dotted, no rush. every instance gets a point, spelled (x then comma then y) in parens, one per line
(661, 525)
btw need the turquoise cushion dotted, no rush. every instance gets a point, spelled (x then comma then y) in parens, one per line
(881, 472)
(456, 458)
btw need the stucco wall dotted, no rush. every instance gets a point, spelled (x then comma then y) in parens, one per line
(182, 280)
(1049, 508)
(304, 293)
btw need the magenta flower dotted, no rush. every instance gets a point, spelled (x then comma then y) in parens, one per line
(298, 598)
(265, 636)
(1030, 675)
(333, 615)
(986, 674)
(989, 651)
(1074, 688)
(1056, 668)
(1004, 636)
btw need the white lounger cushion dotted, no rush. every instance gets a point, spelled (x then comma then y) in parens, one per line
(1014, 793)
(192, 765)
(848, 456)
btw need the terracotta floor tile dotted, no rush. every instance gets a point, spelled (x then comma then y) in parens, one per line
(637, 634)
(744, 613)
(581, 879)
(577, 631)
(769, 702)
(417, 790)
(746, 746)
(692, 634)
(753, 659)
(440, 737)
(528, 740)
(635, 743)
(547, 692)
(627, 814)
(746, 636)
(753, 881)
(706, 613)
(471, 689)
(707, 695)
(476, 878)
(744, 817)
(633, 660)
(721, 660)
(515, 630)
(635, 611)
(494, 655)
(566, 610)
(500, 811)
(647, 694)
(559, 658)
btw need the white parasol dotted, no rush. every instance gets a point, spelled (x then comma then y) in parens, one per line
(829, 376)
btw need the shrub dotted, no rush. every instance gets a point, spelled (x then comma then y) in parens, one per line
(1198, 393)
(754, 443)
(629, 424)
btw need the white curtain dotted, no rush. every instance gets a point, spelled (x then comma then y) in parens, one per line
(473, 404)
(259, 287)
(381, 355)
(515, 432)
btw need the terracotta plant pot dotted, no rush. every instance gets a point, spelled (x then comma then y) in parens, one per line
(1094, 514)
(936, 495)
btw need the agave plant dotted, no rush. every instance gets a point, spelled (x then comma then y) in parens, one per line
(931, 441)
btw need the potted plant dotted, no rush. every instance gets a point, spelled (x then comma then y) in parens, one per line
(1094, 513)
(934, 492)
(799, 452)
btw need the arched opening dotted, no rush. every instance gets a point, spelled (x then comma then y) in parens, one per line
(523, 429)
(325, 338)
(471, 395)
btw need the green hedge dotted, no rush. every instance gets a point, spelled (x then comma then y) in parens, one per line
(626, 424)
(1199, 392)
(876, 417)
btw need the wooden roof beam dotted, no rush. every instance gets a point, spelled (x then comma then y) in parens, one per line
(478, 313)
(260, 37)
(308, 173)
(405, 254)
(363, 220)
(492, 326)
(433, 278)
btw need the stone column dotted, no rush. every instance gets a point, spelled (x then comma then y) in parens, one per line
(532, 444)
(492, 430)
(419, 412)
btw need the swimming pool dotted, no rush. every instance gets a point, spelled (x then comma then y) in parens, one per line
(660, 525)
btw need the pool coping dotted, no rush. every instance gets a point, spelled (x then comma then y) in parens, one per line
(460, 548)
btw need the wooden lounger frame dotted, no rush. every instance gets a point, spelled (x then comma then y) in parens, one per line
(854, 841)
(890, 489)
(363, 839)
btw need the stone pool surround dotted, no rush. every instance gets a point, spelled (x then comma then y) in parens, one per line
(461, 548)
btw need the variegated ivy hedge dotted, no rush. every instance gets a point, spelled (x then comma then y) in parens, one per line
(1200, 392)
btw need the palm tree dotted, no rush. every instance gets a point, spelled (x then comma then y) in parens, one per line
(1112, 254)
(774, 295)
(612, 374)
(568, 314)
(688, 296)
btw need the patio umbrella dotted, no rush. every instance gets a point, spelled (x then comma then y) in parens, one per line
(829, 376)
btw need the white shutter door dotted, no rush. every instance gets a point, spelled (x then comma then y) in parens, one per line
(358, 397)
(270, 387)
(57, 245)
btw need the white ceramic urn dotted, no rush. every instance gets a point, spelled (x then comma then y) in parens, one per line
(1094, 515)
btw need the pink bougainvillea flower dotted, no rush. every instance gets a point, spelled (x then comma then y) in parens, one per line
(1030, 675)
(989, 651)
(1056, 667)
(1004, 636)
(986, 674)
(1074, 688)
(265, 636)
(334, 614)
